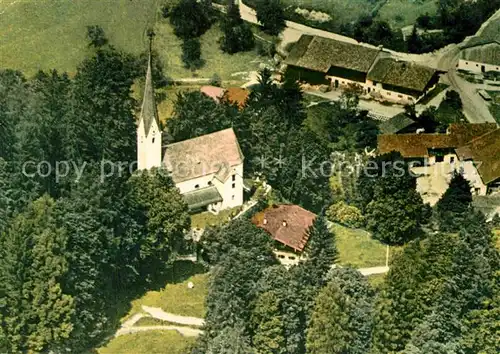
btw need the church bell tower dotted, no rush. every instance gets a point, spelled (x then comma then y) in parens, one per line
(149, 139)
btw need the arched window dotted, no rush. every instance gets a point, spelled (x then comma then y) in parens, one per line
(197, 186)
(153, 140)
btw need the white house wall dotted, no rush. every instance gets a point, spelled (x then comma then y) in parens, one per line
(195, 183)
(374, 90)
(232, 197)
(476, 67)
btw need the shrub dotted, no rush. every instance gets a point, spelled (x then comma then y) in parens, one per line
(345, 214)
(215, 80)
(96, 36)
(191, 54)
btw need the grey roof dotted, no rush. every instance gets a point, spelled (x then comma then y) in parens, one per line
(396, 124)
(487, 52)
(401, 74)
(214, 153)
(149, 112)
(202, 197)
(320, 54)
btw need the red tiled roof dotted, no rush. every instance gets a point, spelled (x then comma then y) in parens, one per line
(287, 224)
(213, 92)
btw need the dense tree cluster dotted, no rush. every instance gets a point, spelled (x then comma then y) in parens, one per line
(254, 304)
(387, 195)
(237, 34)
(440, 296)
(441, 283)
(77, 228)
(457, 20)
(376, 32)
(271, 15)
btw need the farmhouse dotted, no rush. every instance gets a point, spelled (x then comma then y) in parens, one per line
(390, 78)
(289, 226)
(472, 149)
(326, 61)
(208, 170)
(319, 60)
(480, 57)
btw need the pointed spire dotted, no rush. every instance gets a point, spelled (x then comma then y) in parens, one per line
(149, 112)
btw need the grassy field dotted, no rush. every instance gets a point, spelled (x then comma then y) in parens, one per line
(357, 248)
(46, 34)
(152, 342)
(228, 67)
(175, 297)
(401, 13)
(50, 34)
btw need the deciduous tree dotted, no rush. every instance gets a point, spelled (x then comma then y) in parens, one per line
(190, 19)
(191, 54)
(271, 15)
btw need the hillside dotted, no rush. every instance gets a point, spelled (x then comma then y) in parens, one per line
(46, 34)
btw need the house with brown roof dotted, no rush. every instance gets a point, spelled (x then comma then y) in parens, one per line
(319, 60)
(473, 149)
(484, 153)
(208, 170)
(289, 226)
(480, 57)
(396, 80)
(325, 60)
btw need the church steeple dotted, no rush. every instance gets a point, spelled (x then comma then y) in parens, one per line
(149, 112)
(149, 136)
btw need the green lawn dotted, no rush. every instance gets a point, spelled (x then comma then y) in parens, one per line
(357, 248)
(228, 67)
(47, 34)
(152, 342)
(175, 297)
(401, 13)
(202, 220)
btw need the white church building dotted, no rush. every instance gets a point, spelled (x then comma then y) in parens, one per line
(208, 170)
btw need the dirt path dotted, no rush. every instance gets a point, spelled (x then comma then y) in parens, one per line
(373, 270)
(159, 314)
(129, 327)
(185, 331)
